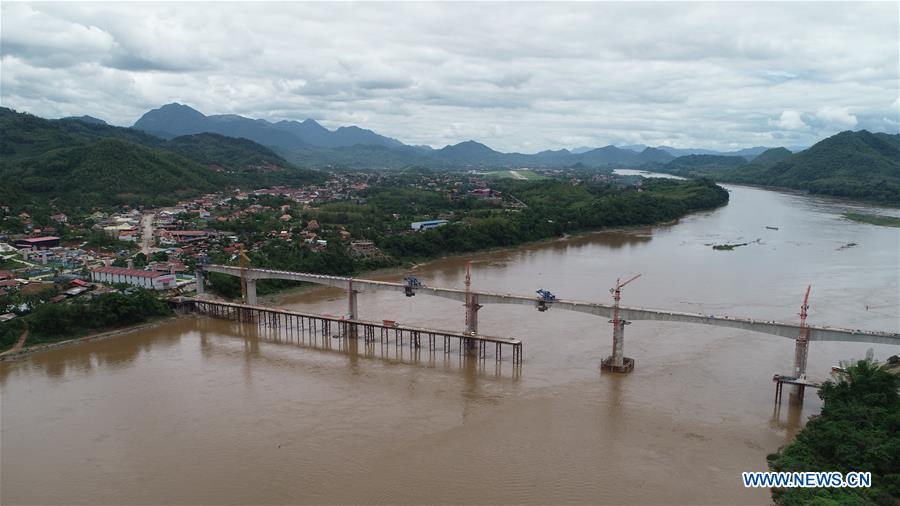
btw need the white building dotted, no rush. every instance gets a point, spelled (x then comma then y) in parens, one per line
(427, 225)
(151, 280)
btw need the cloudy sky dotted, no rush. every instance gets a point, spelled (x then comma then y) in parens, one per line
(522, 77)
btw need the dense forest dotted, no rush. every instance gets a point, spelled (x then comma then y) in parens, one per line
(858, 430)
(83, 164)
(556, 208)
(859, 165)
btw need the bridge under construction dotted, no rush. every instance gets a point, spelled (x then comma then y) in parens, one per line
(619, 316)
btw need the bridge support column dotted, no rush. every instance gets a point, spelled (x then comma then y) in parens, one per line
(352, 308)
(801, 351)
(200, 281)
(618, 362)
(472, 308)
(251, 292)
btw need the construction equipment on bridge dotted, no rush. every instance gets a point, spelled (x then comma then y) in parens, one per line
(544, 299)
(411, 285)
(617, 362)
(801, 352)
(244, 260)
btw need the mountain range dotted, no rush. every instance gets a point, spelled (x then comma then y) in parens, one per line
(309, 143)
(83, 160)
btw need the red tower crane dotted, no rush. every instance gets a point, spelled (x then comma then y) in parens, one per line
(801, 349)
(617, 361)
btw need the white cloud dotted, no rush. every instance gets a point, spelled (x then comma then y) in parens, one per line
(517, 76)
(836, 117)
(789, 120)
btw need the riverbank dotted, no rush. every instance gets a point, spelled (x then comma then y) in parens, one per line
(14, 354)
(874, 219)
(854, 432)
(282, 295)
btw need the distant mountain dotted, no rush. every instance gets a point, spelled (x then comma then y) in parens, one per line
(772, 156)
(655, 155)
(82, 164)
(309, 142)
(173, 120)
(859, 165)
(87, 119)
(633, 147)
(705, 162)
(469, 153)
(316, 135)
(850, 164)
(747, 153)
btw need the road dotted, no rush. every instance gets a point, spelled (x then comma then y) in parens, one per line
(147, 234)
(515, 174)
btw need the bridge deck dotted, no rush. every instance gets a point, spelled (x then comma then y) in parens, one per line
(788, 330)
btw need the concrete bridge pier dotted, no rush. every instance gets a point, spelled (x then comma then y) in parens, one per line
(251, 292)
(618, 362)
(472, 308)
(200, 281)
(352, 308)
(801, 352)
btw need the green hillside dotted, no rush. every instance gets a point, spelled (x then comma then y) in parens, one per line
(859, 165)
(76, 163)
(772, 156)
(849, 164)
(108, 171)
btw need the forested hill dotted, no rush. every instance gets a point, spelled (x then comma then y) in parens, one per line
(849, 164)
(860, 165)
(80, 164)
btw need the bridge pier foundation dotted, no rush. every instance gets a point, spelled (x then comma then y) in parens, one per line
(618, 362)
(352, 309)
(200, 281)
(251, 292)
(472, 308)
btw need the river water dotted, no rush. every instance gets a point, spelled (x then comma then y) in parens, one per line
(196, 412)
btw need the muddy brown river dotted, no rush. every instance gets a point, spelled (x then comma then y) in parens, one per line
(199, 411)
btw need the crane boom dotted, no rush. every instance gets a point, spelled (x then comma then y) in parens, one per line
(244, 260)
(620, 285)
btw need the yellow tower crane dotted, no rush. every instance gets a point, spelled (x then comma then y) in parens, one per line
(244, 260)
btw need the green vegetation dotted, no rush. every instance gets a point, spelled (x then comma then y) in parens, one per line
(80, 165)
(539, 210)
(50, 322)
(859, 165)
(858, 430)
(556, 208)
(874, 219)
(10, 332)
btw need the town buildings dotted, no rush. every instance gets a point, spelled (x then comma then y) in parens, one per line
(151, 280)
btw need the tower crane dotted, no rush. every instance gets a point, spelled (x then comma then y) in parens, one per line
(617, 296)
(244, 260)
(801, 349)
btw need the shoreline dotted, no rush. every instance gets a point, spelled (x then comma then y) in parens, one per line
(100, 336)
(279, 296)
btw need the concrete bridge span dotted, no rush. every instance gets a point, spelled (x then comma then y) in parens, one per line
(354, 285)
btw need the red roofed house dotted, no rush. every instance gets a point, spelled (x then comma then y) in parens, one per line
(37, 242)
(152, 280)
